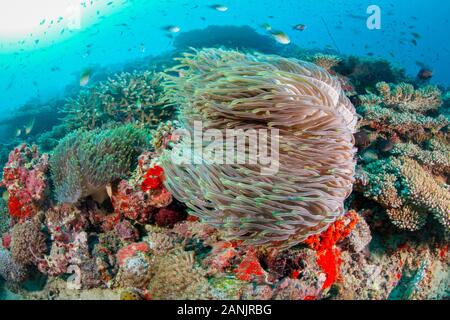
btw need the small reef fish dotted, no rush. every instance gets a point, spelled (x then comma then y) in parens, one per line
(29, 127)
(425, 74)
(281, 37)
(172, 29)
(299, 27)
(220, 7)
(18, 132)
(416, 35)
(266, 26)
(5, 196)
(85, 77)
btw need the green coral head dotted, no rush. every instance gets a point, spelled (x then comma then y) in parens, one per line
(84, 162)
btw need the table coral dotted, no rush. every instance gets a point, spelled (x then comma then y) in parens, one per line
(407, 191)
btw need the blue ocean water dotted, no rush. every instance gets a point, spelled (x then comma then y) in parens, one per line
(46, 44)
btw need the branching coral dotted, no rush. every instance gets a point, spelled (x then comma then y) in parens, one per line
(407, 191)
(228, 89)
(402, 110)
(126, 97)
(404, 97)
(326, 61)
(84, 162)
(423, 192)
(435, 155)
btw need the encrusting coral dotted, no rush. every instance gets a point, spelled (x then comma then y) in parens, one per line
(84, 162)
(24, 177)
(228, 89)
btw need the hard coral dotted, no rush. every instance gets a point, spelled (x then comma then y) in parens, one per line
(326, 61)
(24, 177)
(140, 197)
(228, 89)
(124, 98)
(85, 162)
(175, 276)
(28, 243)
(407, 191)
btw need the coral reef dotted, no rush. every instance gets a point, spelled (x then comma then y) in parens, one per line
(288, 235)
(24, 177)
(228, 89)
(84, 162)
(405, 162)
(123, 98)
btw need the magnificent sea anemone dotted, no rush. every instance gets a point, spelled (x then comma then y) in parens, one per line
(231, 90)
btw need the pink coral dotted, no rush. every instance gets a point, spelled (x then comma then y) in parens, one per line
(138, 199)
(131, 250)
(24, 177)
(250, 267)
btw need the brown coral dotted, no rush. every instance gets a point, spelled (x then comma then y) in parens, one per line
(176, 277)
(28, 245)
